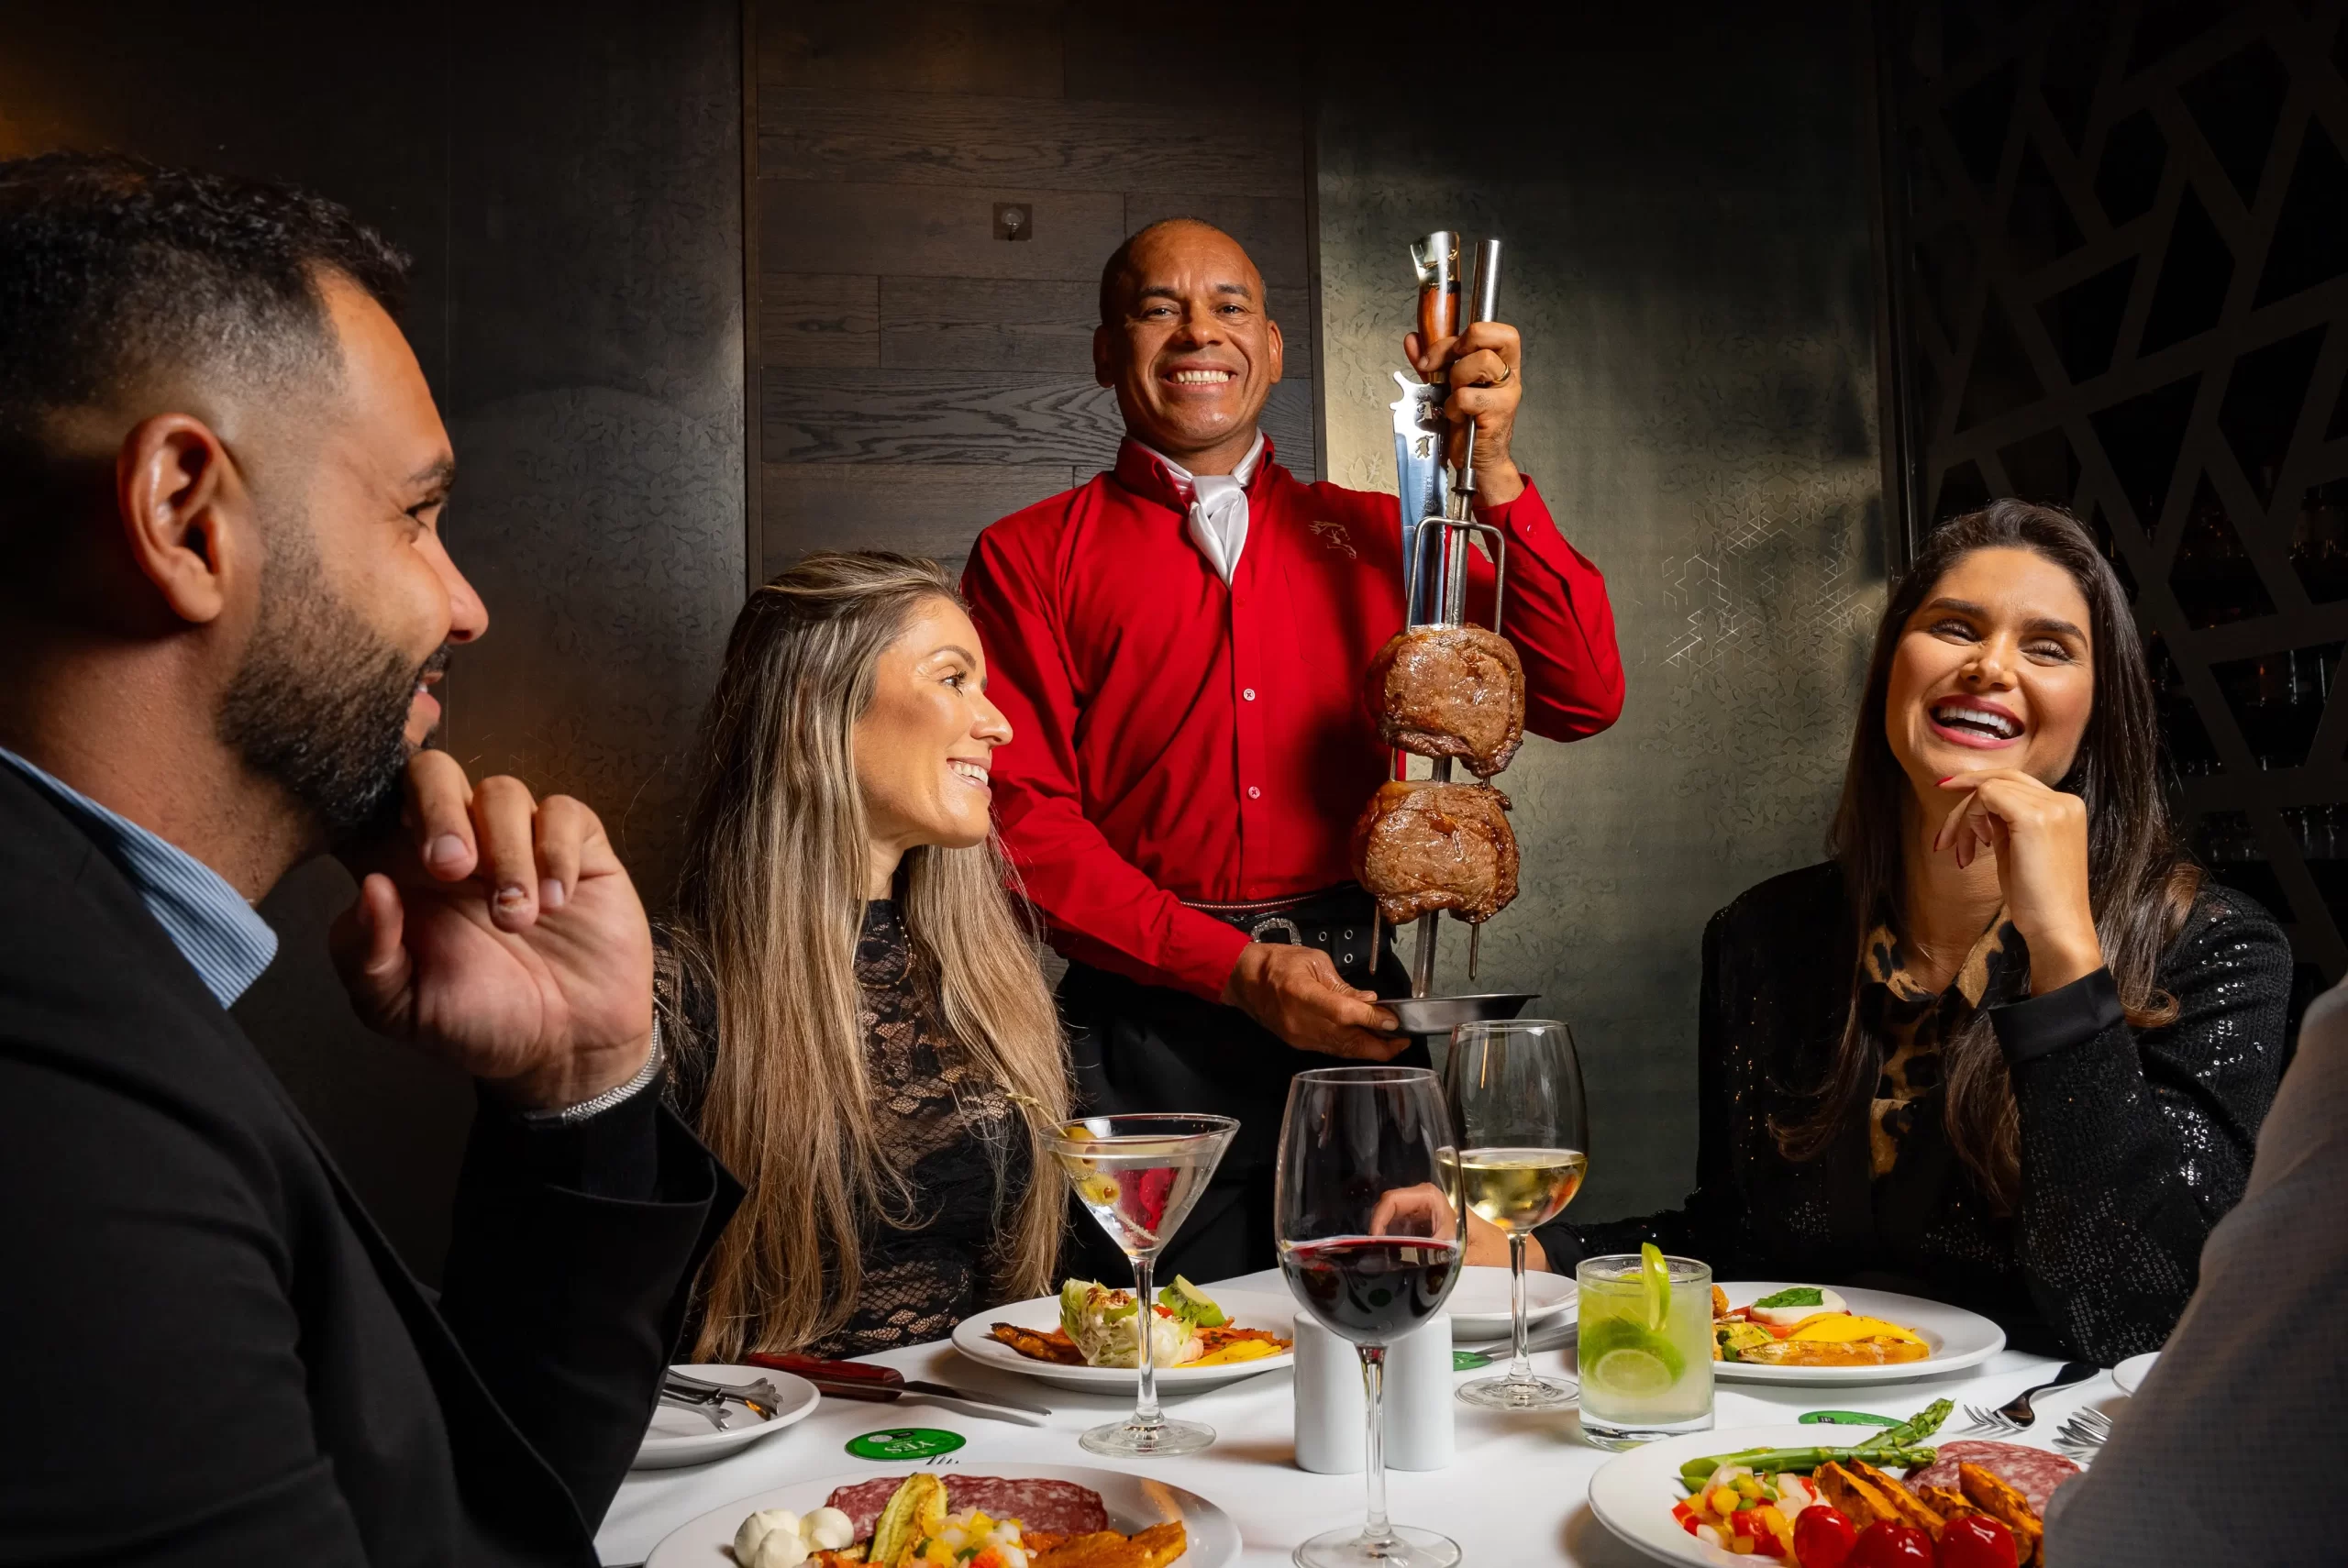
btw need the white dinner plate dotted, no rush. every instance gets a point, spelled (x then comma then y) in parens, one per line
(685, 1436)
(1480, 1306)
(1633, 1491)
(1245, 1309)
(2129, 1375)
(1133, 1503)
(1959, 1339)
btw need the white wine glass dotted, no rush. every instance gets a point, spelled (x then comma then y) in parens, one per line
(1140, 1175)
(1514, 1089)
(1366, 1217)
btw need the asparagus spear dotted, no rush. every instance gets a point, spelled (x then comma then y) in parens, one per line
(1910, 1432)
(1893, 1446)
(1801, 1461)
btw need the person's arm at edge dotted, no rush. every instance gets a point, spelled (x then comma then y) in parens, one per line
(2273, 1273)
(2087, 1083)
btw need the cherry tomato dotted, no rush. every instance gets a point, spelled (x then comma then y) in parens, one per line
(1822, 1536)
(1977, 1541)
(1884, 1544)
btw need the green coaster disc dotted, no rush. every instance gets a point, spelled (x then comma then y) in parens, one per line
(905, 1443)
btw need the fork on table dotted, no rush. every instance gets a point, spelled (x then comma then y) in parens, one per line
(2083, 1435)
(2016, 1414)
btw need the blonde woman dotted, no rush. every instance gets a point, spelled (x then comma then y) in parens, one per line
(859, 1024)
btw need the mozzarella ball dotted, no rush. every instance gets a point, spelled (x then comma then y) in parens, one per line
(781, 1548)
(757, 1527)
(828, 1529)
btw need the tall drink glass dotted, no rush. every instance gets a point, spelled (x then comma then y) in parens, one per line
(1368, 1220)
(1138, 1175)
(1645, 1348)
(1514, 1089)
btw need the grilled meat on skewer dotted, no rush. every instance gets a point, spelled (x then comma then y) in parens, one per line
(1421, 846)
(1455, 691)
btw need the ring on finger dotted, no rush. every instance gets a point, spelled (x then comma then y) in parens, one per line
(1507, 373)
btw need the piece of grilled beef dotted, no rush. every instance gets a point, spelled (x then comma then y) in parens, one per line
(1421, 846)
(1455, 691)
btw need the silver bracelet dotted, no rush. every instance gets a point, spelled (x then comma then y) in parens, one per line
(645, 1075)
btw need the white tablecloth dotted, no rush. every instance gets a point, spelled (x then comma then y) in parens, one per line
(1515, 1496)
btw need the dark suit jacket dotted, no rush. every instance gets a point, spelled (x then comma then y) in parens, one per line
(210, 1353)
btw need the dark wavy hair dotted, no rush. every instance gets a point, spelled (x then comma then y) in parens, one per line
(2140, 882)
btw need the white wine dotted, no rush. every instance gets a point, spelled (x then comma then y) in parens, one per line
(1518, 1189)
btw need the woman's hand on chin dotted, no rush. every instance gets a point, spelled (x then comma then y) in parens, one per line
(2040, 836)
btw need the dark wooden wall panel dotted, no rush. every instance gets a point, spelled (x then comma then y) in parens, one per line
(927, 138)
(920, 377)
(806, 226)
(819, 318)
(933, 508)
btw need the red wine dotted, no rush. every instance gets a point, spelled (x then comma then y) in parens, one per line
(1371, 1289)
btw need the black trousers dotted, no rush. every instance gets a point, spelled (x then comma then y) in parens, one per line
(1140, 1048)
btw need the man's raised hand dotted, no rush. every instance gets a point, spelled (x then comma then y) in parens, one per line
(1297, 993)
(1485, 366)
(504, 936)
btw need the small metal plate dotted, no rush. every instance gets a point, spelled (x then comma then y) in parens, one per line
(1427, 1016)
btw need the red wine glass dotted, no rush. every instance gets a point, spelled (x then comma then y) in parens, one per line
(1370, 1228)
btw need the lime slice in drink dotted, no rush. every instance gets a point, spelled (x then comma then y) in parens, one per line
(1631, 1371)
(1607, 1338)
(1656, 1277)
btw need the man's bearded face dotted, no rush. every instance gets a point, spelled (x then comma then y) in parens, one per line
(320, 705)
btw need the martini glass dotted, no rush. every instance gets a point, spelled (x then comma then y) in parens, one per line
(1138, 1175)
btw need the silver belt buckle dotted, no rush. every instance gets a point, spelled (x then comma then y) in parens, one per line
(1294, 937)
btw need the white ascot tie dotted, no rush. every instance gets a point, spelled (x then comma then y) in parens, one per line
(1218, 508)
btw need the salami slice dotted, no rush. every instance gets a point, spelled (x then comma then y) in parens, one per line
(2033, 1472)
(1063, 1507)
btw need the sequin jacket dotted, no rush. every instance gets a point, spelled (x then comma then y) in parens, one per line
(2133, 1143)
(958, 1139)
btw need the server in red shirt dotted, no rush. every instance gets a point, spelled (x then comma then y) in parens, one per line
(1180, 645)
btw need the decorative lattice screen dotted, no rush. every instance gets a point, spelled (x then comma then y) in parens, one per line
(2120, 283)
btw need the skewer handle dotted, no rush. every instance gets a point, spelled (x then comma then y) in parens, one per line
(1438, 258)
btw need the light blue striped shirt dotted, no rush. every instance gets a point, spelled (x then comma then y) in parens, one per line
(215, 931)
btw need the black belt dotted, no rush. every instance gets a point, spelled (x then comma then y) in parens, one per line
(1339, 921)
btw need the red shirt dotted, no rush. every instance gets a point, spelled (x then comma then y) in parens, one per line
(1176, 739)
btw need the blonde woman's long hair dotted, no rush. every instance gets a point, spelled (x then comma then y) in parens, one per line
(770, 907)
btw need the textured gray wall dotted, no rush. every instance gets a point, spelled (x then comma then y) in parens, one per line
(1681, 193)
(569, 182)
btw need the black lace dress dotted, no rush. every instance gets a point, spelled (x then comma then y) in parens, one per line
(2133, 1143)
(953, 1128)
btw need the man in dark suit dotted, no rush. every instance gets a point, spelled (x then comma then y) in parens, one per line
(224, 605)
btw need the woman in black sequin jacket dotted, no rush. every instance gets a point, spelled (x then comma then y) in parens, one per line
(2006, 1049)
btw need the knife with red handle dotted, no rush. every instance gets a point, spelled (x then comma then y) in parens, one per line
(870, 1381)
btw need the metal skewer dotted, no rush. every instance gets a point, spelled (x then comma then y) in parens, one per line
(1437, 259)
